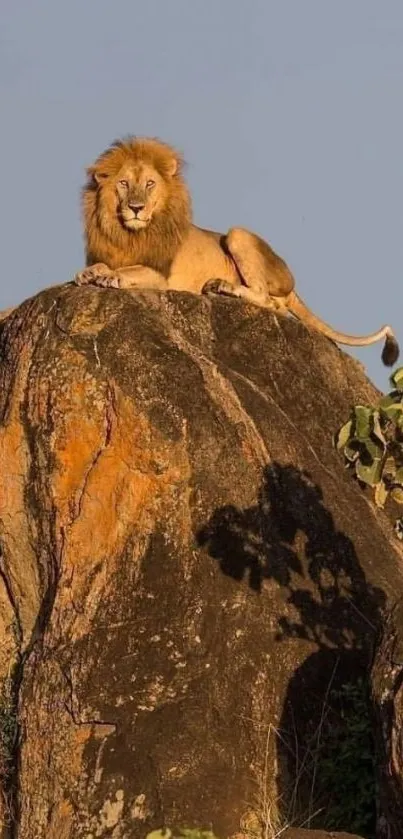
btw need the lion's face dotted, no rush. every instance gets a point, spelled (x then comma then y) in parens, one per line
(141, 192)
(138, 191)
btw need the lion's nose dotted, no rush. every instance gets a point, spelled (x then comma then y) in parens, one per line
(136, 207)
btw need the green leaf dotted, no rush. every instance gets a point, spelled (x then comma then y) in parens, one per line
(164, 833)
(343, 435)
(363, 421)
(393, 412)
(396, 379)
(371, 474)
(377, 428)
(371, 451)
(389, 469)
(194, 833)
(393, 398)
(397, 494)
(381, 494)
(398, 477)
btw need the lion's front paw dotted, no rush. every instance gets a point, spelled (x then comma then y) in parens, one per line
(219, 287)
(98, 274)
(108, 281)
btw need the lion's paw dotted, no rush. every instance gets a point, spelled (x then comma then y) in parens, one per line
(108, 281)
(218, 287)
(96, 274)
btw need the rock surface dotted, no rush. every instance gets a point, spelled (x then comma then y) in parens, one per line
(297, 833)
(186, 567)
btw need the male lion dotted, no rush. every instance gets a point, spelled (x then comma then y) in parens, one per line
(139, 234)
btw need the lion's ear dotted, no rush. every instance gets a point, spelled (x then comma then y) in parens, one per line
(96, 174)
(173, 166)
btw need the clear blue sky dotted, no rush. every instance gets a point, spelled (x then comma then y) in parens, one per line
(289, 113)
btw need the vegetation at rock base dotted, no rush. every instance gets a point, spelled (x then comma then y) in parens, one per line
(372, 444)
(8, 739)
(332, 771)
(344, 778)
(8, 733)
(345, 768)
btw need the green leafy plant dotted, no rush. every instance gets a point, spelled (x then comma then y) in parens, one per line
(8, 731)
(372, 444)
(8, 740)
(346, 762)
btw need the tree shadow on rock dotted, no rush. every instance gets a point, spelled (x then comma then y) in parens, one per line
(290, 536)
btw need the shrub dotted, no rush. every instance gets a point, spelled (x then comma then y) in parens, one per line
(372, 444)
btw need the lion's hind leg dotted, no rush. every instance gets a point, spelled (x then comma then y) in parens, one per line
(217, 286)
(265, 278)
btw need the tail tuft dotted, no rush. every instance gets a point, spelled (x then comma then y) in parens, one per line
(390, 352)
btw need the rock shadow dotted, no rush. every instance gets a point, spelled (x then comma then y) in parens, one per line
(290, 536)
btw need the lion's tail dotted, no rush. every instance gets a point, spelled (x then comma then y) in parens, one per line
(390, 352)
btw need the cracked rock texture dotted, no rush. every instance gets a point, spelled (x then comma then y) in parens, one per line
(186, 567)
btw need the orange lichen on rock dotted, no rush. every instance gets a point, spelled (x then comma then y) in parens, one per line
(119, 483)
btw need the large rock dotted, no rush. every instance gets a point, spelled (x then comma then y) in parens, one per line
(187, 569)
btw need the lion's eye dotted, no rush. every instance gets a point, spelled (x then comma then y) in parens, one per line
(123, 183)
(150, 184)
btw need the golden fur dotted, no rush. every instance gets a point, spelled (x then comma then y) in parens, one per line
(108, 239)
(139, 234)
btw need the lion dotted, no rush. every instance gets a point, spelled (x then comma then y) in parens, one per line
(139, 233)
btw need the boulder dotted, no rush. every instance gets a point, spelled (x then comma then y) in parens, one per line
(187, 570)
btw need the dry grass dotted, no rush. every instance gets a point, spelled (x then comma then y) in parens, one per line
(263, 820)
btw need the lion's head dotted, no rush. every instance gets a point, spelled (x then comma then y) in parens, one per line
(136, 200)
